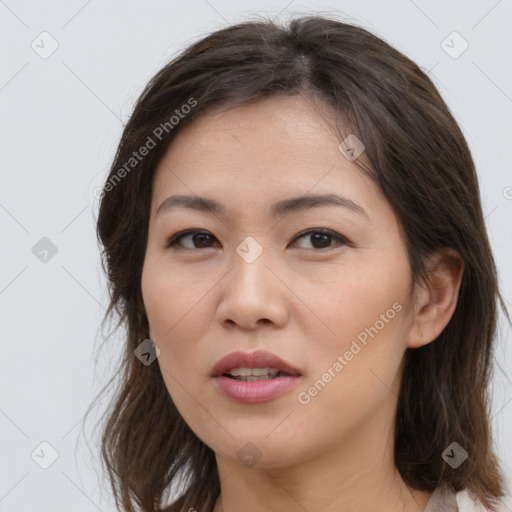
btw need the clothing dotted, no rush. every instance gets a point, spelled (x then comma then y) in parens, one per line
(444, 499)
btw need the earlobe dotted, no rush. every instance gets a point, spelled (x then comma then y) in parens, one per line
(436, 300)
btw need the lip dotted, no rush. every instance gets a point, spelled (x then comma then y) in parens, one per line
(258, 359)
(254, 391)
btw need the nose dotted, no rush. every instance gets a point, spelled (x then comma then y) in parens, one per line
(252, 292)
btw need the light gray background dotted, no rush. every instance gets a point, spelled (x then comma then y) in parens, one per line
(61, 119)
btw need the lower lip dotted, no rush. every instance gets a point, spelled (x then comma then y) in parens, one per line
(255, 391)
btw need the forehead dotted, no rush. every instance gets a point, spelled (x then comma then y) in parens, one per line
(274, 121)
(270, 149)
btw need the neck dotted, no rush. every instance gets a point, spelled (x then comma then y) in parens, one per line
(358, 475)
(274, 491)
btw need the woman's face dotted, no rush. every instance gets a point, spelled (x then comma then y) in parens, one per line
(336, 309)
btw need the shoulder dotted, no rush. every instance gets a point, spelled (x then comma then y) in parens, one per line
(466, 503)
(444, 499)
(179, 505)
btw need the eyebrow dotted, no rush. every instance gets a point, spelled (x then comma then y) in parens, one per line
(291, 205)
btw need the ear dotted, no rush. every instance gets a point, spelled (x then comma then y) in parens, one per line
(436, 300)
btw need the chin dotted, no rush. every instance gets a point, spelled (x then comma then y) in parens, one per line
(258, 451)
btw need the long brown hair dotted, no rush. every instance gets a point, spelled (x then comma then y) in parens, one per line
(415, 152)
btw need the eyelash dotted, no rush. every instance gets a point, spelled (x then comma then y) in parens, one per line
(182, 234)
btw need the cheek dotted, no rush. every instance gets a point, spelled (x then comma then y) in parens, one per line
(174, 302)
(359, 305)
(355, 360)
(176, 307)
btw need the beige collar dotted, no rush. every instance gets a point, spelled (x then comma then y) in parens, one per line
(443, 499)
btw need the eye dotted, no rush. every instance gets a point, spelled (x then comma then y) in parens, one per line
(321, 237)
(200, 237)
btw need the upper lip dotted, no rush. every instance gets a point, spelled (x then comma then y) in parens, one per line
(258, 359)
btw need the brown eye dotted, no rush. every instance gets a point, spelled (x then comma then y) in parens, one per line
(198, 237)
(320, 238)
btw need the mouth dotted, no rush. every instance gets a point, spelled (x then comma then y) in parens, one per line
(248, 366)
(254, 377)
(253, 374)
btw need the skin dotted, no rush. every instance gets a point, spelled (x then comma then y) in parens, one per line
(302, 299)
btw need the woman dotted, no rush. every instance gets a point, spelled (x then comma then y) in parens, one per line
(294, 239)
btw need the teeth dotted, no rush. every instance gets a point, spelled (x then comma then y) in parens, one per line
(254, 372)
(251, 378)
